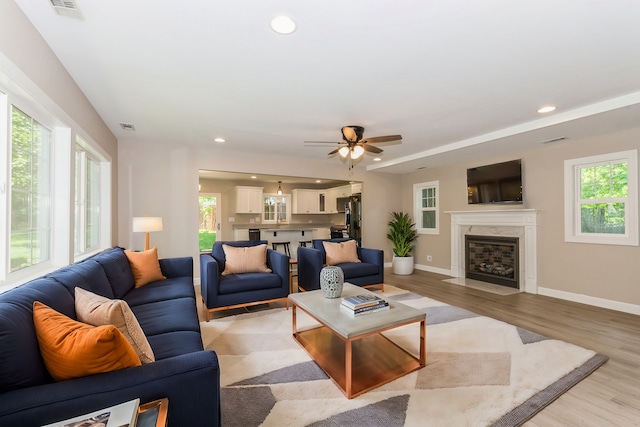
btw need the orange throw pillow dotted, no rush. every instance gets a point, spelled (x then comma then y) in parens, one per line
(246, 259)
(72, 349)
(145, 266)
(341, 252)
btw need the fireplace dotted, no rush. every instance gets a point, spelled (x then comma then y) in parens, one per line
(492, 259)
(513, 223)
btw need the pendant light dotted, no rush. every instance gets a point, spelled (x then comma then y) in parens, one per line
(279, 188)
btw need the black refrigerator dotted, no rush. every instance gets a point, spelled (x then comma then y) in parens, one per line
(353, 217)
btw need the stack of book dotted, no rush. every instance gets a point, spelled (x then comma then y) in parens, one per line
(363, 304)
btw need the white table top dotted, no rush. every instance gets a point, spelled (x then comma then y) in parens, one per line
(328, 311)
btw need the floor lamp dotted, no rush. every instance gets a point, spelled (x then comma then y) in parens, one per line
(147, 224)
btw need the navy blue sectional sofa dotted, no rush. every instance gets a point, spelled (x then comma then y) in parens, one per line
(368, 272)
(166, 309)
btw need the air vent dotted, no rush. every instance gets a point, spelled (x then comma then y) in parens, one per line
(67, 8)
(128, 126)
(548, 141)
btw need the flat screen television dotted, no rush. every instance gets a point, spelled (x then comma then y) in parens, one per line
(496, 183)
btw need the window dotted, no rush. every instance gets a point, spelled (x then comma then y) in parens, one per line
(30, 192)
(87, 201)
(55, 188)
(276, 209)
(601, 199)
(425, 203)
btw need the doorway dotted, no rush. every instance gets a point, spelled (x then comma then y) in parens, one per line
(209, 220)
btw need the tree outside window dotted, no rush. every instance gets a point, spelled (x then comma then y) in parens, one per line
(425, 203)
(30, 191)
(601, 199)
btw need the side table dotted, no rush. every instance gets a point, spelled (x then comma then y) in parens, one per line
(153, 414)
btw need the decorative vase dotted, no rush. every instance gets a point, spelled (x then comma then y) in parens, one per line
(402, 265)
(331, 281)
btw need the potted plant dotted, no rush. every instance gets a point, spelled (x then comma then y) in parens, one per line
(402, 233)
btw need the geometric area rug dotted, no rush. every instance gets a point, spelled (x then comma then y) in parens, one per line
(479, 372)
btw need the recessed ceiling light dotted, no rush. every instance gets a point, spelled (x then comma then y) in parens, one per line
(547, 109)
(377, 159)
(254, 177)
(219, 140)
(318, 181)
(282, 24)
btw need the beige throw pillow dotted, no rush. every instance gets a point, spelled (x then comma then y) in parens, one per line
(246, 259)
(341, 252)
(97, 310)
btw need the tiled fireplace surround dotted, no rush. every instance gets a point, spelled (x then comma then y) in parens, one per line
(520, 223)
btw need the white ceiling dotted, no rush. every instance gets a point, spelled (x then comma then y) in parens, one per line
(453, 77)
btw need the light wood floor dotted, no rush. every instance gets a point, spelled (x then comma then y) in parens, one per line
(608, 397)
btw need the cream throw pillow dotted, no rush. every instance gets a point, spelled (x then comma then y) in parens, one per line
(97, 310)
(246, 259)
(144, 266)
(341, 252)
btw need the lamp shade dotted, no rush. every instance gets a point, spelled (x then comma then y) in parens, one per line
(147, 224)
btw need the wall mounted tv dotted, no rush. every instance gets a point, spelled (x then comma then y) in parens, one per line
(496, 183)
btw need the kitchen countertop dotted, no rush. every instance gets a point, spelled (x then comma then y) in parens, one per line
(284, 227)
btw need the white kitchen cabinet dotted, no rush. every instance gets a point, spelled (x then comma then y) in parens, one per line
(241, 234)
(249, 200)
(356, 188)
(321, 233)
(331, 196)
(305, 201)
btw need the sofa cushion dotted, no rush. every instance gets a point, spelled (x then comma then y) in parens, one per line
(87, 274)
(145, 266)
(161, 290)
(175, 343)
(72, 349)
(161, 317)
(248, 282)
(118, 271)
(248, 259)
(341, 252)
(97, 311)
(360, 269)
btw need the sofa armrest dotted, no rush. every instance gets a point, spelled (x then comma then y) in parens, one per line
(190, 381)
(278, 262)
(177, 267)
(372, 256)
(309, 265)
(209, 278)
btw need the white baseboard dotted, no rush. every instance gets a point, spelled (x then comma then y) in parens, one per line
(433, 269)
(589, 300)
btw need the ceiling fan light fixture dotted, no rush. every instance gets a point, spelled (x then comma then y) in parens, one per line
(356, 152)
(282, 24)
(343, 151)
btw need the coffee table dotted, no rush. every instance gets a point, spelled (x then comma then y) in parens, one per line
(352, 350)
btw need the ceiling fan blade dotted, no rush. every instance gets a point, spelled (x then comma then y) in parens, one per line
(372, 149)
(387, 138)
(333, 152)
(322, 142)
(349, 134)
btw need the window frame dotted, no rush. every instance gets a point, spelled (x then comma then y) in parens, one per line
(418, 209)
(572, 199)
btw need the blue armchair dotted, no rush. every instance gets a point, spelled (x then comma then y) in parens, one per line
(238, 290)
(368, 272)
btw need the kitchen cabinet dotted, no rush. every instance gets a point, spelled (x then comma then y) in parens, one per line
(331, 195)
(321, 233)
(305, 201)
(241, 234)
(249, 200)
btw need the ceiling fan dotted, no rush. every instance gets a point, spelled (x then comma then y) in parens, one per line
(354, 146)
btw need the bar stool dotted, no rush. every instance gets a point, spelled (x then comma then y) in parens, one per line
(304, 243)
(285, 246)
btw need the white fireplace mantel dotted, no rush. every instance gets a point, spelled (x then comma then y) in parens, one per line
(495, 223)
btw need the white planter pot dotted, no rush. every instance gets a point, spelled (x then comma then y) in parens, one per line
(402, 265)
